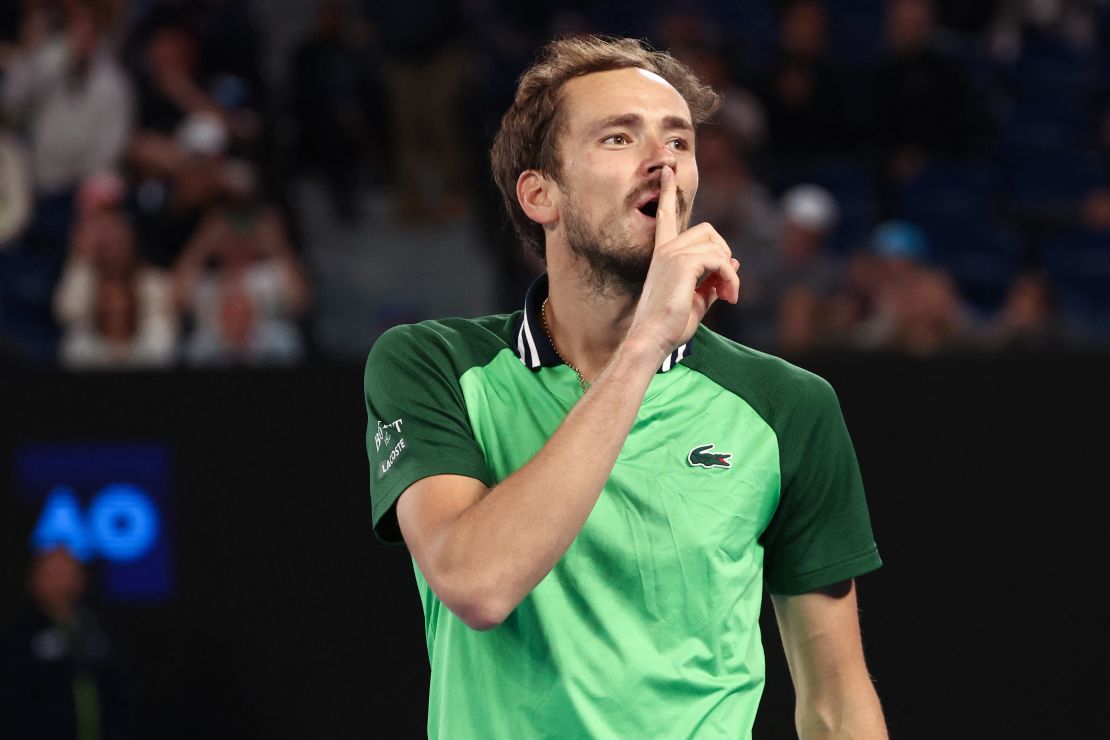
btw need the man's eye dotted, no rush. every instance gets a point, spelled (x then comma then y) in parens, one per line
(616, 139)
(680, 144)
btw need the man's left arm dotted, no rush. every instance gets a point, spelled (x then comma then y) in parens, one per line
(821, 637)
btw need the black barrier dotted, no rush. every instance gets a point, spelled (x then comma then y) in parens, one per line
(288, 620)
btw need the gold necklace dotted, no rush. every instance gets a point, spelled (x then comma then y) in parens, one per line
(547, 331)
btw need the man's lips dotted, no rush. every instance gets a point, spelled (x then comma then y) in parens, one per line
(648, 204)
(646, 198)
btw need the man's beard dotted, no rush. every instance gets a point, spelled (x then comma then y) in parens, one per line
(613, 261)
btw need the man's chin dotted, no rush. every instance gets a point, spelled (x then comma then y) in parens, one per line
(616, 265)
(621, 274)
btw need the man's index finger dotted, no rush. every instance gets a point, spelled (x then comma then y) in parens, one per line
(666, 214)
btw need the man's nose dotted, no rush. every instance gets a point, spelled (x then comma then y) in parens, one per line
(659, 156)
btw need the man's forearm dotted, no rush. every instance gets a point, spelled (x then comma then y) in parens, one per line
(504, 545)
(821, 638)
(854, 715)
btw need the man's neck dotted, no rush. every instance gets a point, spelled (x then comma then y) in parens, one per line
(586, 325)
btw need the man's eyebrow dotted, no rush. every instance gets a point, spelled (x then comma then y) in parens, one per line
(635, 120)
(677, 122)
(621, 120)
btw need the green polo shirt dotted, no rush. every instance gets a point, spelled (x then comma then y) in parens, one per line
(738, 475)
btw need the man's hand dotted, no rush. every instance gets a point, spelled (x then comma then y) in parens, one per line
(688, 273)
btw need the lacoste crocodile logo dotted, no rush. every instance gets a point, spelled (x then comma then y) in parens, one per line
(701, 457)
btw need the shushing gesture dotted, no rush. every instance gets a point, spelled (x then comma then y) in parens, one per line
(689, 271)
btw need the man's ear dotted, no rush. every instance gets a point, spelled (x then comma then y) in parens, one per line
(537, 195)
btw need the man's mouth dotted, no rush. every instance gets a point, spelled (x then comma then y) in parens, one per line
(649, 207)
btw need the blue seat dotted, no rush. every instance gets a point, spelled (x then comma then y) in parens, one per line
(975, 60)
(855, 32)
(982, 257)
(1050, 83)
(1079, 264)
(1049, 94)
(1046, 173)
(752, 24)
(948, 193)
(27, 282)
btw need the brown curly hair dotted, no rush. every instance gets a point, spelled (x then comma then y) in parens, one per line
(528, 137)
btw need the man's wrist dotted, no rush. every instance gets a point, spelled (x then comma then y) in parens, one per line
(637, 352)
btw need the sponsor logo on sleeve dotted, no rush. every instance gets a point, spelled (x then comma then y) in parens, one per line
(388, 436)
(385, 432)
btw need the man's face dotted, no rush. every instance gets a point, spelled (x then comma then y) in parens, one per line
(620, 129)
(909, 24)
(57, 581)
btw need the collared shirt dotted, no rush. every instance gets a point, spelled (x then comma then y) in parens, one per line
(737, 475)
(533, 344)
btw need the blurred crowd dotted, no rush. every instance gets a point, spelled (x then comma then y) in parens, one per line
(137, 227)
(899, 175)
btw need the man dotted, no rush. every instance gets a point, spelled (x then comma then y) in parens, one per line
(594, 489)
(60, 675)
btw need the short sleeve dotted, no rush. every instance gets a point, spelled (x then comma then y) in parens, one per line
(417, 424)
(820, 533)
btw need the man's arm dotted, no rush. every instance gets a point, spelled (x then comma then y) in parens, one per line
(482, 551)
(821, 637)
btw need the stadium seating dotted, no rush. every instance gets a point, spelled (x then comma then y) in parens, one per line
(1078, 263)
(854, 188)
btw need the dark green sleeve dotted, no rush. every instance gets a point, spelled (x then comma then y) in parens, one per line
(417, 425)
(821, 532)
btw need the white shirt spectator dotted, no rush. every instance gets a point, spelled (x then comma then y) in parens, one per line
(154, 341)
(78, 122)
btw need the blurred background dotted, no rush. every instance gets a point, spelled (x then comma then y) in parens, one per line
(210, 209)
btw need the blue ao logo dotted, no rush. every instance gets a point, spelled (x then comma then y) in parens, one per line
(121, 523)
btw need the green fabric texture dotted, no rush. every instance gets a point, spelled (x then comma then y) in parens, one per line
(821, 531)
(738, 468)
(413, 371)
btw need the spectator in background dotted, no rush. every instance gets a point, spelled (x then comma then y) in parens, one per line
(11, 15)
(59, 674)
(1028, 319)
(803, 94)
(1094, 211)
(1013, 23)
(178, 150)
(72, 98)
(787, 272)
(744, 213)
(116, 312)
(427, 73)
(693, 40)
(332, 95)
(15, 189)
(892, 299)
(741, 113)
(229, 68)
(807, 272)
(923, 105)
(240, 282)
(198, 57)
(169, 93)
